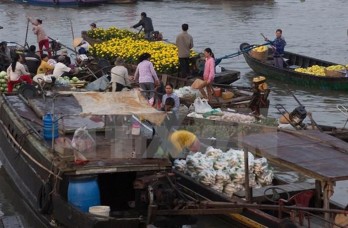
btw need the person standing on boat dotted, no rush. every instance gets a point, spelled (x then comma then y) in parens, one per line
(93, 26)
(184, 42)
(147, 77)
(170, 93)
(16, 73)
(260, 95)
(146, 23)
(42, 38)
(208, 74)
(278, 45)
(119, 76)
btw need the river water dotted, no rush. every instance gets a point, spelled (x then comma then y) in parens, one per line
(311, 27)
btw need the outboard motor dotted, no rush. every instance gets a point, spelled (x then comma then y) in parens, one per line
(298, 115)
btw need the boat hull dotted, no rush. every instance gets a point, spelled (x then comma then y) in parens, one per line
(63, 3)
(288, 75)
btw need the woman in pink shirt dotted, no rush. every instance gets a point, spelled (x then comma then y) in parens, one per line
(147, 77)
(209, 73)
(42, 38)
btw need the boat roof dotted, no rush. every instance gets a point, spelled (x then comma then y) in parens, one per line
(119, 103)
(311, 152)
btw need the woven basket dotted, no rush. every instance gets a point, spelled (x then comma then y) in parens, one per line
(334, 73)
(262, 56)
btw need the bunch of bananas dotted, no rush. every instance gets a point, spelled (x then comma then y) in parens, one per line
(336, 67)
(313, 70)
(261, 49)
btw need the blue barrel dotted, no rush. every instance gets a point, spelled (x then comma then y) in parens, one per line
(83, 192)
(48, 123)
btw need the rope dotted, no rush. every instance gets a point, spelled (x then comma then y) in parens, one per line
(26, 153)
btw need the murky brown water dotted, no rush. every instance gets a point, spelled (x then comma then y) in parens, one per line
(311, 27)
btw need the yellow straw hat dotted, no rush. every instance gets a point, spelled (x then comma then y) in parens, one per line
(259, 79)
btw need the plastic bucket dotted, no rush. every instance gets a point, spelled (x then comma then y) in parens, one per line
(48, 123)
(83, 192)
(100, 210)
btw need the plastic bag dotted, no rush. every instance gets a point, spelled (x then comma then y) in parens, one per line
(82, 141)
(201, 105)
(99, 85)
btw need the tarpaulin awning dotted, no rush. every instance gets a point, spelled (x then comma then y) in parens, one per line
(117, 103)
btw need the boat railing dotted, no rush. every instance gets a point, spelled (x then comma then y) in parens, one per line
(343, 109)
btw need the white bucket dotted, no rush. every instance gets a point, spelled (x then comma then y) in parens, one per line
(100, 210)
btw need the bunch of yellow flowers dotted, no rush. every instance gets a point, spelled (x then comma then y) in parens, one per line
(164, 56)
(112, 32)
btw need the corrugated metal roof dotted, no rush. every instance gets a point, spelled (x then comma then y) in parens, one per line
(311, 153)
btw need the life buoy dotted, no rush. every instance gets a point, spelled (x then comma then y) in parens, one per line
(44, 199)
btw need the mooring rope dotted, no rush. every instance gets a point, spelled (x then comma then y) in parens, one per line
(26, 153)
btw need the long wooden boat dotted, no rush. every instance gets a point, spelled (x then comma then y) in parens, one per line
(316, 155)
(47, 176)
(289, 75)
(133, 184)
(62, 3)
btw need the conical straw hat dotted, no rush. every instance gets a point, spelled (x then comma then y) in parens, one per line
(77, 41)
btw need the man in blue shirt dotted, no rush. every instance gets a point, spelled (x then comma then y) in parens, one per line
(278, 45)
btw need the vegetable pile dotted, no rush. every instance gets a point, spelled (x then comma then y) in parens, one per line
(224, 171)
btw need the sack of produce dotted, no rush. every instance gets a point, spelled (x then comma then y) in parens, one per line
(198, 84)
(227, 95)
(335, 71)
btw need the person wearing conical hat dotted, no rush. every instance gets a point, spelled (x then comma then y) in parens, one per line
(259, 98)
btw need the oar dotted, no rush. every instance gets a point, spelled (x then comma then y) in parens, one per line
(26, 36)
(244, 50)
(73, 36)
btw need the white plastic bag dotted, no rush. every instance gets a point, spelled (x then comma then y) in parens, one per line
(82, 141)
(201, 105)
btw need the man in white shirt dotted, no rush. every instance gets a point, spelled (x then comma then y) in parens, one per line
(60, 69)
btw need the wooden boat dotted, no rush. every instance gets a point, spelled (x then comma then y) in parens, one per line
(315, 155)
(62, 3)
(44, 173)
(288, 75)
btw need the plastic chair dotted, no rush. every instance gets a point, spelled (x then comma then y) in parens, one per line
(300, 199)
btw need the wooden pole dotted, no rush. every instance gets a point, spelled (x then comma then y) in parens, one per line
(246, 167)
(72, 33)
(26, 35)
